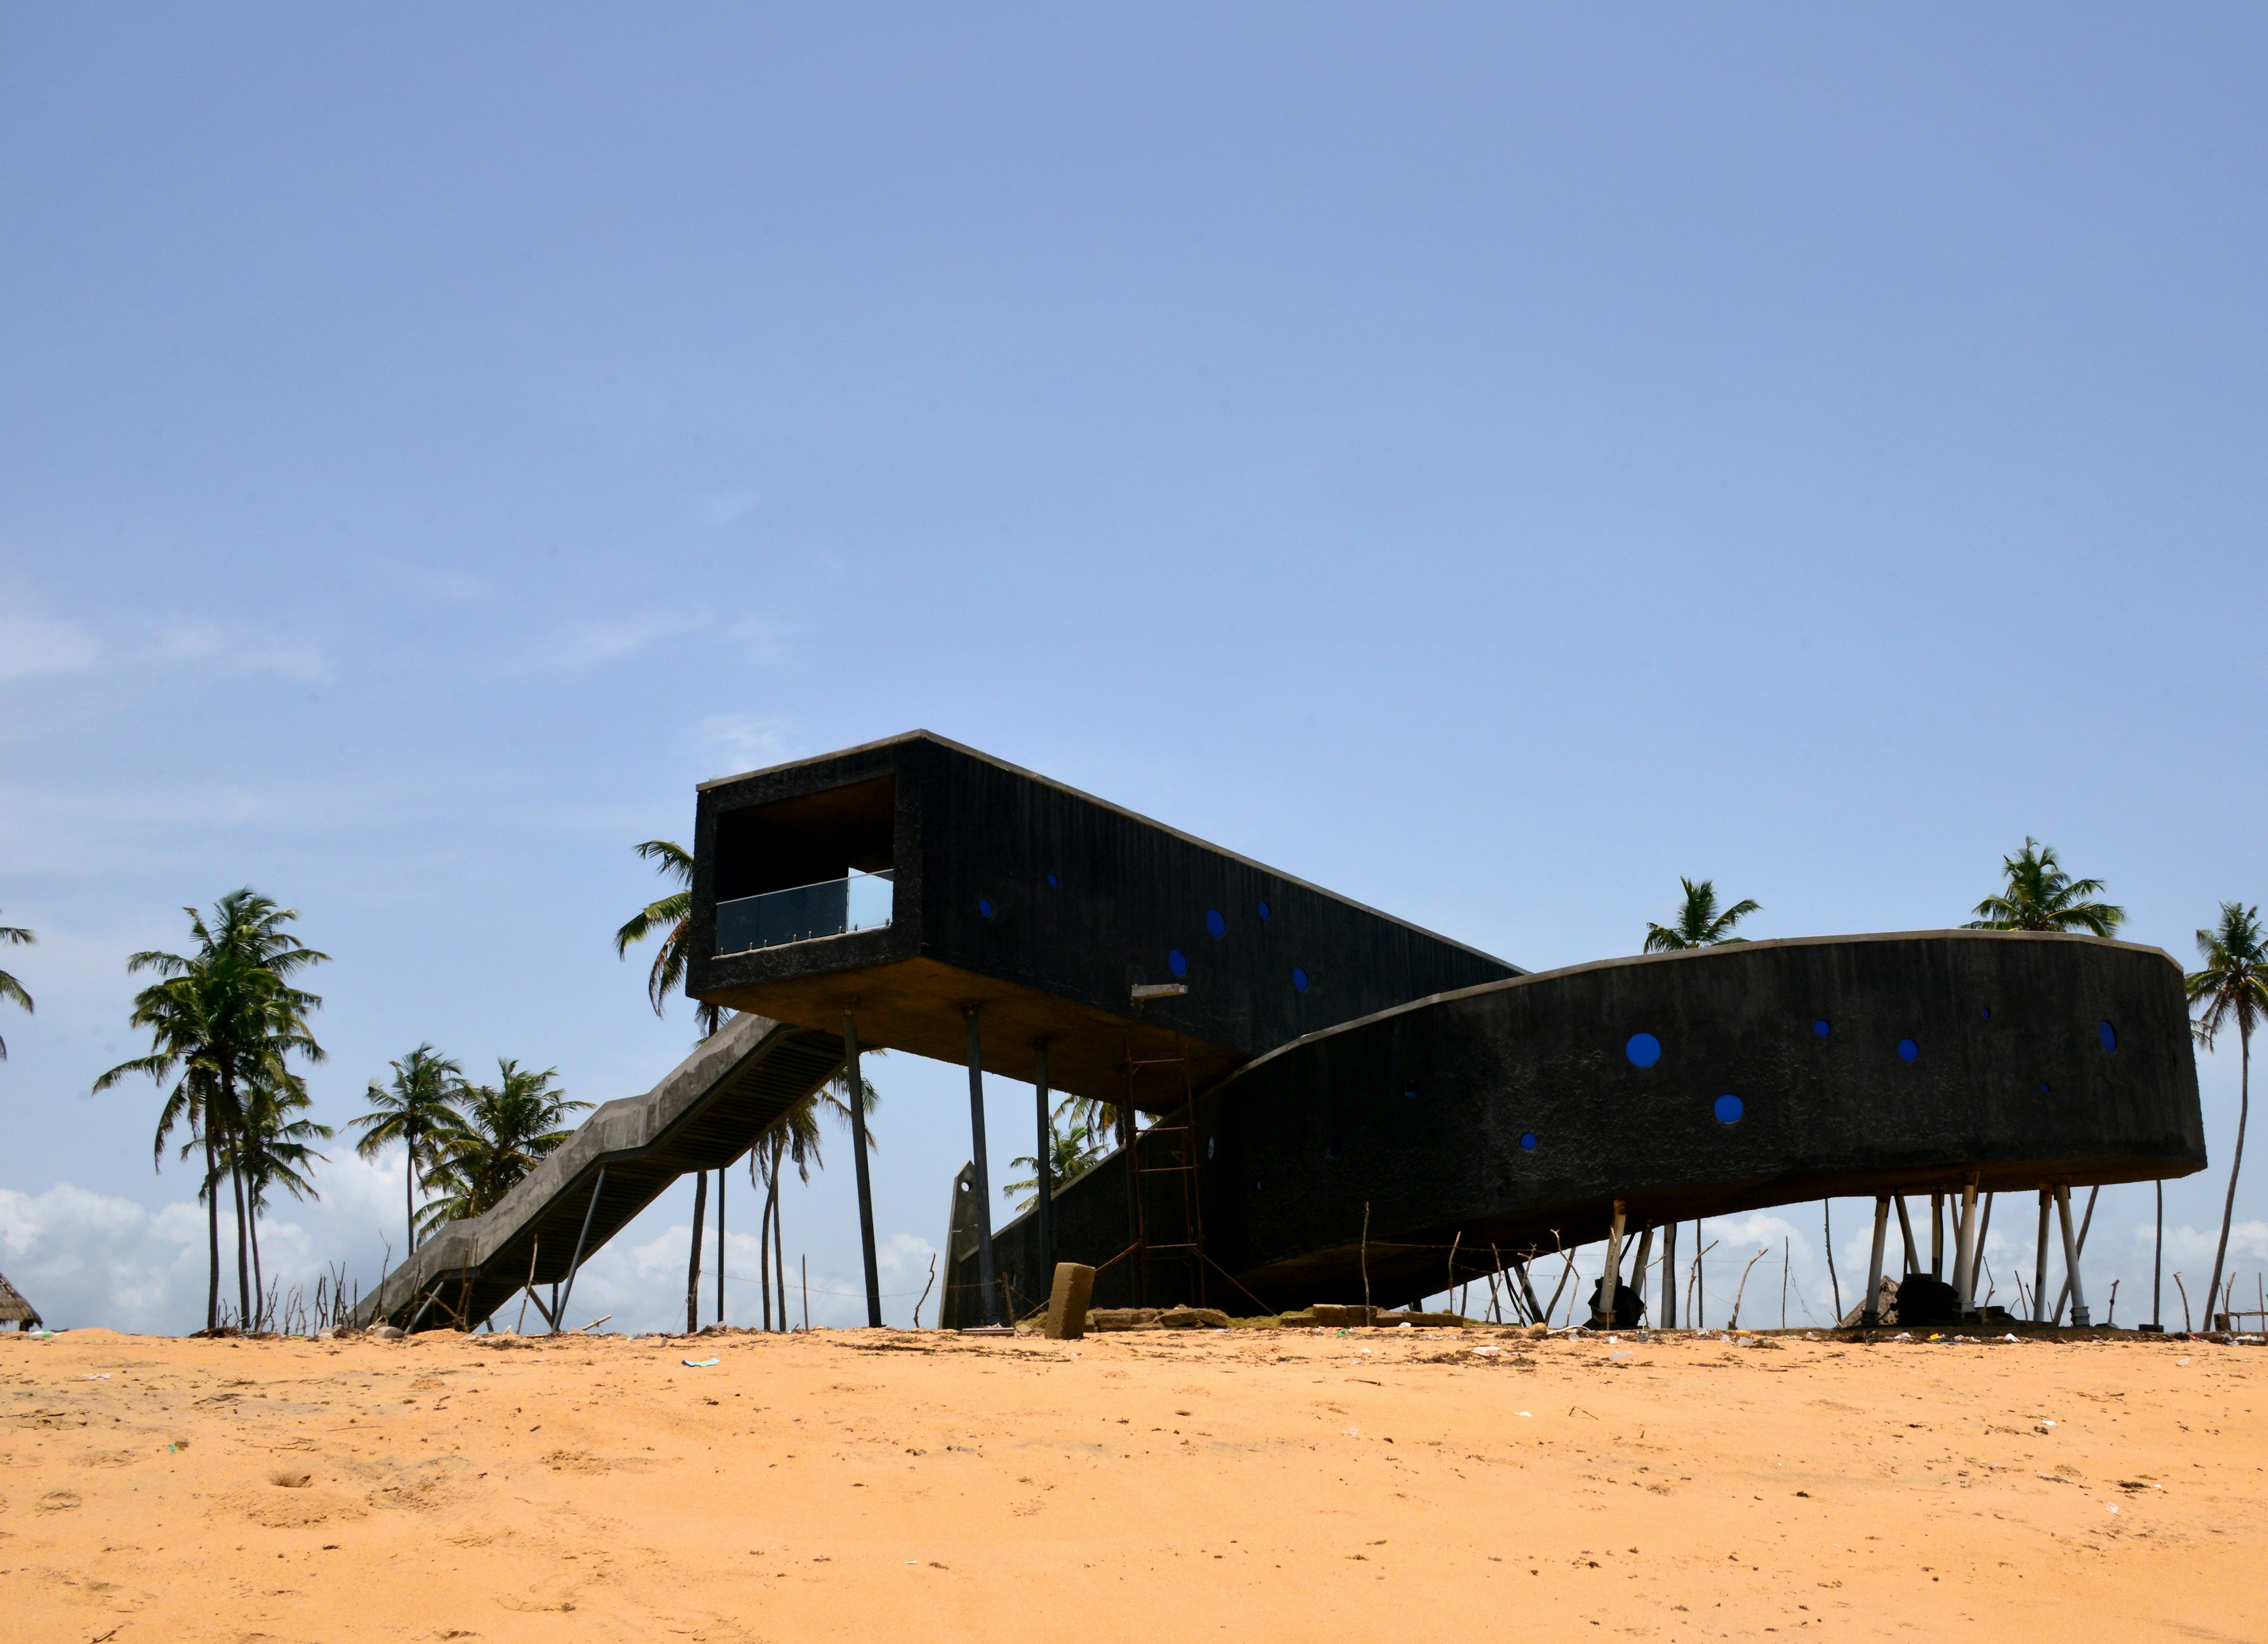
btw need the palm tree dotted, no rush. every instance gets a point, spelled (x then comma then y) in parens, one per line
(1698, 925)
(276, 1148)
(1071, 1153)
(673, 915)
(14, 936)
(2232, 987)
(416, 1107)
(227, 1017)
(502, 1132)
(793, 1138)
(2041, 896)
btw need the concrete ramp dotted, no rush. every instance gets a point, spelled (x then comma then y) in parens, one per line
(704, 1115)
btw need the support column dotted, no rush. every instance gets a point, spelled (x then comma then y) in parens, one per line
(1603, 1316)
(720, 1244)
(1638, 1265)
(1905, 1232)
(1044, 1151)
(982, 1187)
(692, 1262)
(2040, 1267)
(1870, 1311)
(1937, 1236)
(1527, 1292)
(1964, 1248)
(1669, 1275)
(2079, 1318)
(855, 1084)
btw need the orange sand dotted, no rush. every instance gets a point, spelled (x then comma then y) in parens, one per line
(1152, 1487)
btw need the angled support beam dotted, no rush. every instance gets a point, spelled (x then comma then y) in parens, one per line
(575, 1262)
(1870, 1312)
(980, 1188)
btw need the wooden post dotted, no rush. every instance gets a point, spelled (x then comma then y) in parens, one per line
(1937, 1235)
(1905, 1231)
(1870, 1311)
(855, 1085)
(980, 1188)
(1603, 1316)
(1528, 1291)
(1669, 1275)
(2071, 1260)
(721, 1245)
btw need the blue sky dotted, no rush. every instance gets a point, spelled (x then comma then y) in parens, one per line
(1488, 462)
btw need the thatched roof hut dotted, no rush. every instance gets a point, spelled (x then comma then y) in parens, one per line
(14, 1309)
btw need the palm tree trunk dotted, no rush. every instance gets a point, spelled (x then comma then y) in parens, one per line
(409, 1193)
(692, 1264)
(243, 1246)
(764, 1255)
(212, 1226)
(779, 1254)
(2235, 1163)
(259, 1284)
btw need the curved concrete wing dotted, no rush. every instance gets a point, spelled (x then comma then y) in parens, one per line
(1703, 1083)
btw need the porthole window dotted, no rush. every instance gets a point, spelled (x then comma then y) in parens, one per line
(1985, 1014)
(2109, 1035)
(1908, 1050)
(1410, 1094)
(1299, 979)
(1215, 924)
(2046, 1090)
(1823, 1027)
(1209, 1142)
(1177, 963)
(1729, 1109)
(1053, 881)
(984, 906)
(1265, 911)
(1528, 1141)
(1644, 1049)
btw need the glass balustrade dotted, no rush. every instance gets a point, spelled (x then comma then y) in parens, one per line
(833, 908)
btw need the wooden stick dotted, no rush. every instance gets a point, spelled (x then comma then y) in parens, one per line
(925, 1294)
(1460, 1239)
(533, 1247)
(1368, 1317)
(1827, 1239)
(1733, 1323)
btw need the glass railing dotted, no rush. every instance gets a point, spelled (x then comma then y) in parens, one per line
(833, 908)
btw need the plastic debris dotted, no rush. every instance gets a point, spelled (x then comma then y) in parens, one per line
(1621, 1355)
(697, 1364)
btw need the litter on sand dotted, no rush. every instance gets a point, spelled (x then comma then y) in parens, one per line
(697, 1364)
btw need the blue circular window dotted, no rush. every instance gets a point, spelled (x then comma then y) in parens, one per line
(1908, 1050)
(2046, 1090)
(2109, 1037)
(1823, 1027)
(1299, 979)
(984, 906)
(1265, 909)
(1177, 963)
(1215, 924)
(1410, 1094)
(1984, 1014)
(1644, 1049)
(1729, 1109)
(1053, 881)
(1528, 1141)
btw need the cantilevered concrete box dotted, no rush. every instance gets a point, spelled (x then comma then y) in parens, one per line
(1039, 904)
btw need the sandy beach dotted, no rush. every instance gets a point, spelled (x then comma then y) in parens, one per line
(1273, 1484)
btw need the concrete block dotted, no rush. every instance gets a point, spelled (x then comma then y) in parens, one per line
(1067, 1301)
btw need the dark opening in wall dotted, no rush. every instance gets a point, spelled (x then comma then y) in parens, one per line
(807, 840)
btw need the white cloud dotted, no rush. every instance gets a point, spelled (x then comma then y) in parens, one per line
(31, 644)
(744, 741)
(234, 648)
(578, 646)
